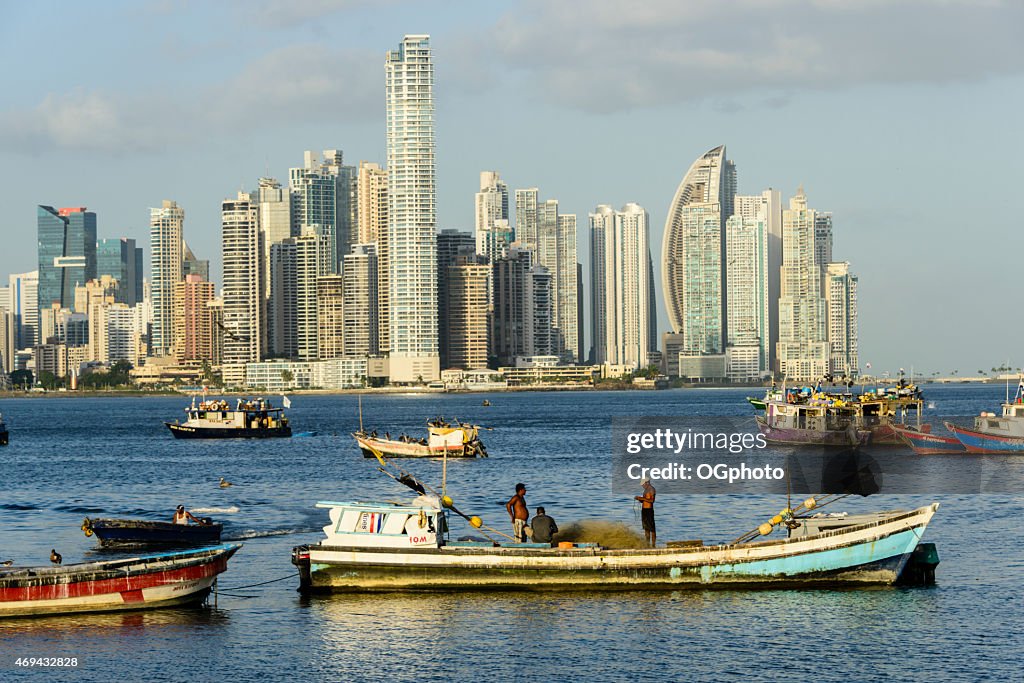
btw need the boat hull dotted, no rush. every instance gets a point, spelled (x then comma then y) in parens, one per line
(980, 442)
(923, 443)
(150, 582)
(134, 533)
(874, 553)
(809, 437)
(400, 449)
(186, 432)
(4, 437)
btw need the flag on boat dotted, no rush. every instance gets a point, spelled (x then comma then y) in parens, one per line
(285, 402)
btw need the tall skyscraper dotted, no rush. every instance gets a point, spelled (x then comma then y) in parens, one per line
(275, 215)
(467, 321)
(361, 321)
(526, 218)
(412, 242)
(493, 232)
(522, 319)
(372, 214)
(121, 259)
(803, 348)
(67, 253)
(282, 334)
(747, 347)
(841, 301)
(693, 254)
(243, 286)
(24, 297)
(312, 261)
(450, 245)
(330, 303)
(620, 285)
(166, 250)
(319, 202)
(768, 206)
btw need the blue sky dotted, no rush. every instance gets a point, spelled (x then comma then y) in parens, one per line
(901, 117)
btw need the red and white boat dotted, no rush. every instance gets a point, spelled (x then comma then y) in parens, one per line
(160, 580)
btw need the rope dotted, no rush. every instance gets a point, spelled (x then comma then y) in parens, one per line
(261, 583)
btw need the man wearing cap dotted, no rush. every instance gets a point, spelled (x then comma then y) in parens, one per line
(647, 513)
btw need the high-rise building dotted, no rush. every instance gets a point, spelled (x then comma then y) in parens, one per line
(693, 273)
(372, 214)
(191, 265)
(121, 259)
(312, 261)
(803, 348)
(493, 232)
(193, 326)
(450, 245)
(243, 286)
(347, 212)
(841, 301)
(620, 285)
(527, 217)
(324, 199)
(412, 212)
(23, 292)
(282, 333)
(67, 253)
(276, 225)
(747, 347)
(166, 250)
(330, 301)
(467, 321)
(361, 320)
(768, 207)
(123, 334)
(522, 319)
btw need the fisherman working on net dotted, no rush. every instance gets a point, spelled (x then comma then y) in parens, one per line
(518, 512)
(543, 527)
(647, 513)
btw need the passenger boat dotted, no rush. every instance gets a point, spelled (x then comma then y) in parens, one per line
(4, 436)
(251, 419)
(443, 440)
(139, 532)
(152, 581)
(995, 434)
(392, 546)
(927, 443)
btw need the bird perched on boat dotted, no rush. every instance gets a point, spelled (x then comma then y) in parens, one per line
(224, 483)
(55, 557)
(7, 563)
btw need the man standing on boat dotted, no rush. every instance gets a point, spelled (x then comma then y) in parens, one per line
(647, 513)
(519, 513)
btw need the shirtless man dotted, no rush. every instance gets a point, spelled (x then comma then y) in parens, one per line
(647, 513)
(518, 512)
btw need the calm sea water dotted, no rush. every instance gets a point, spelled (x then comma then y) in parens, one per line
(71, 458)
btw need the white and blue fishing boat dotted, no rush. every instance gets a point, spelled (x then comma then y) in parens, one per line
(1003, 433)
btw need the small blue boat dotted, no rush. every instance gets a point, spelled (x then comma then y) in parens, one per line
(138, 532)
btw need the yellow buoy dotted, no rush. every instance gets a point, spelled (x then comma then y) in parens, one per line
(777, 519)
(447, 501)
(810, 503)
(765, 529)
(475, 522)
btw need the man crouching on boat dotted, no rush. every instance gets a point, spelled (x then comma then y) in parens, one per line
(518, 512)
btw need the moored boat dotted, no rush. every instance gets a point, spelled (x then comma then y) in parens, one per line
(927, 443)
(811, 424)
(443, 440)
(139, 532)
(4, 435)
(151, 581)
(995, 434)
(249, 419)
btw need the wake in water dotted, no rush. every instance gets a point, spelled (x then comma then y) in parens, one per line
(216, 511)
(253, 533)
(603, 532)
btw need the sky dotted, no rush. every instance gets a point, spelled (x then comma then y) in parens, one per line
(900, 117)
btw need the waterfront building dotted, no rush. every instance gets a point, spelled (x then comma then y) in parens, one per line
(372, 214)
(276, 225)
(747, 347)
(841, 302)
(282, 332)
(67, 253)
(466, 321)
(122, 260)
(526, 218)
(323, 198)
(493, 232)
(412, 242)
(123, 337)
(693, 254)
(521, 323)
(279, 376)
(361, 322)
(215, 307)
(313, 253)
(243, 286)
(23, 293)
(330, 302)
(166, 270)
(767, 207)
(620, 286)
(63, 326)
(803, 348)
(450, 245)
(193, 333)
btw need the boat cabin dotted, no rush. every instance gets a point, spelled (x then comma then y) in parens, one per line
(420, 524)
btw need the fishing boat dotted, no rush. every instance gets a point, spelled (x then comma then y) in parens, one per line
(152, 581)
(443, 440)
(995, 434)
(139, 532)
(4, 436)
(248, 419)
(811, 424)
(927, 443)
(376, 546)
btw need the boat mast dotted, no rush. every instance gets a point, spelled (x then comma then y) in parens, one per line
(360, 412)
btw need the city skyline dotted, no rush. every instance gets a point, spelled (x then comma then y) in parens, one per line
(875, 146)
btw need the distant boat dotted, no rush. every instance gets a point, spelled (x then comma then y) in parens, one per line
(926, 443)
(996, 434)
(138, 532)
(486, 403)
(152, 581)
(4, 436)
(807, 424)
(251, 419)
(458, 441)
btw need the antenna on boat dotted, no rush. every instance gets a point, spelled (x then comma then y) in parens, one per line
(360, 412)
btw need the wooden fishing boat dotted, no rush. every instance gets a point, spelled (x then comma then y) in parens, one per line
(250, 419)
(388, 547)
(139, 532)
(995, 434)
(443, 440)
(807, 424)
(151, 581)
(927, 443)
